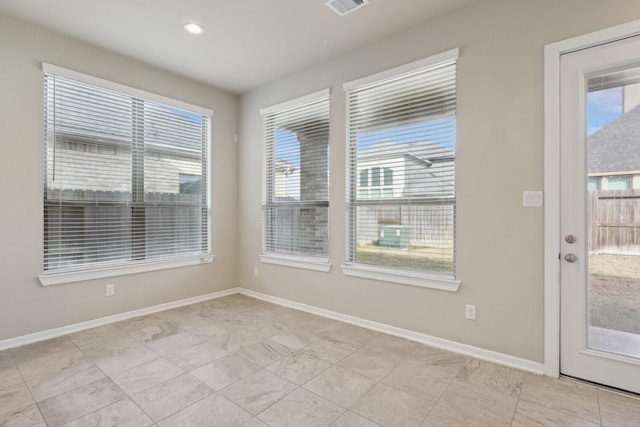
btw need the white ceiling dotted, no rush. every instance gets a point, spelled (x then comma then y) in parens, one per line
(246, 42)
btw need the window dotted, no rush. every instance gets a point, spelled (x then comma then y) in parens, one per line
(125, 178)
(619, 182)
(593, 184)
(296, 185)
(402, 127)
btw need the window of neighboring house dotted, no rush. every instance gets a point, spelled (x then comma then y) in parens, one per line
(619, 182)
(125, 178)
(296, 185)
(593, 184)
(402, 126)
(190, 184)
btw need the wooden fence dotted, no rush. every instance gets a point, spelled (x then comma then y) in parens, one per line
(614, 221)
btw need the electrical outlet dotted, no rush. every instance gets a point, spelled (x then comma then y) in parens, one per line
(110, 290)
(470, 312)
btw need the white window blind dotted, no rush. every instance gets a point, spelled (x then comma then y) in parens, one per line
(296, 185)
(125, 177)
(401, 169)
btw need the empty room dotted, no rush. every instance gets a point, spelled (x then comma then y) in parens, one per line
(368, 213)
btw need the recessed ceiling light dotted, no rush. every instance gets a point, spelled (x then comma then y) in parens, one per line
(193, 28)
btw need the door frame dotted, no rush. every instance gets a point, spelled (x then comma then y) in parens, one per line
(552, 54)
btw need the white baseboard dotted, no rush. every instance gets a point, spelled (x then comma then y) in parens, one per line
(467, 350)
(76, 327)
(464, 349)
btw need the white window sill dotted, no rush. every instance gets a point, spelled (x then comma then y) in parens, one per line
(315, 264)
(402, 277)
(48, 279)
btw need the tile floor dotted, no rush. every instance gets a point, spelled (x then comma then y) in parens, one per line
(236, 361)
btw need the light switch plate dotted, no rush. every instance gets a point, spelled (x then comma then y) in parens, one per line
(532, 199)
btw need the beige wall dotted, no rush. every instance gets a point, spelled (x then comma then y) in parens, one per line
(500, 154)
(25, 305)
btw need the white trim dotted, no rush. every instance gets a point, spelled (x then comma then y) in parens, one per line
(552, 53)
(402, 277)
(297, 262)
(76, 327)
(47, 279)
(71, 74)
(476, 352)
(295, 102)
(439, 58)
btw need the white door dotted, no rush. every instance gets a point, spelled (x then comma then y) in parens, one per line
(600, 214)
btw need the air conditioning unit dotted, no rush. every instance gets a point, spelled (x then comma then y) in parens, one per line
(342, 7)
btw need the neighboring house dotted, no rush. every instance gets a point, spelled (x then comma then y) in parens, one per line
(410, 185)
(389, 169)
(614, 150)
(614, 154)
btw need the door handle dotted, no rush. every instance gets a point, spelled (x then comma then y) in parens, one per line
(570, 258)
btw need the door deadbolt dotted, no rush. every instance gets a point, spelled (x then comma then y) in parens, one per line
(570, 258)
(570, 238)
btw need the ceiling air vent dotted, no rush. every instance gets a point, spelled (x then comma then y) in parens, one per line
(342, 7)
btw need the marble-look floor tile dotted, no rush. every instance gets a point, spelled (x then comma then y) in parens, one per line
(10, 377)
(351, 419)
(443, 362)
(65, 407)
(533, 415)
(235, 339)
(494, 377)
(618, 410)
(224, 371)
(372, 363)
(214, 411)
(26, 416)
(96, 335)
(194, 357)
(393, 347)
(301, 408)
(6, 360)
(420, 379)
(145, 376)
(124, 413)
(569, 397)
(327, 350)
(295, 338)
(42, 349)
(14, 401)
(149, 328)
(174, 343)
(340, 386)
(49, 376)
(299, 367)
(469, 403)
(351, 336)
(254, 422)
(212, 330)
(264, 353)
(391, 407)
(125, 358)
(440, 421)
(171, 396)
(258, 391)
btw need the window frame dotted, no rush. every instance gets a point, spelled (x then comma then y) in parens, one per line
(132, 266)
(369, 271)
(303, 261)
